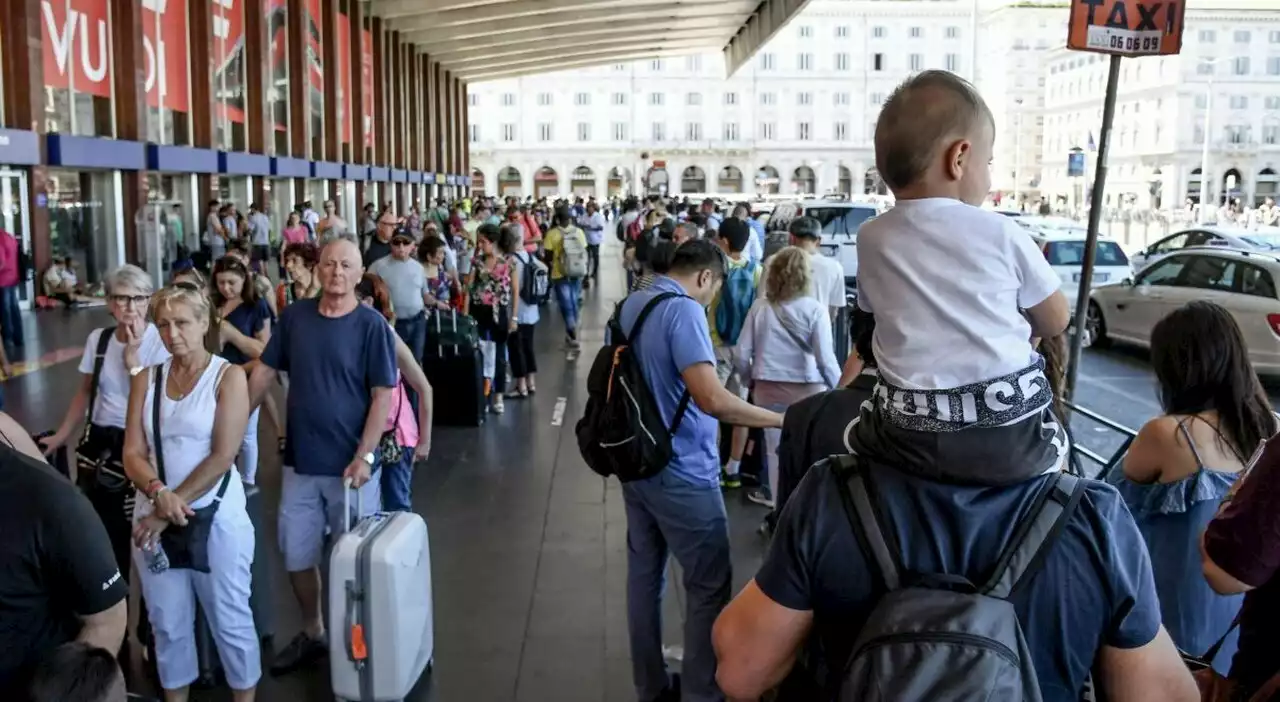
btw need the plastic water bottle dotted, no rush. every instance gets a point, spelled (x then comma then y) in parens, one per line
(157, 560)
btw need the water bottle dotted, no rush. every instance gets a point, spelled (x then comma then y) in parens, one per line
(157, 560)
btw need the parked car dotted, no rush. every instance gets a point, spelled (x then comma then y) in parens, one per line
(1064, 249)
(1266, 239)
(840, 223)
(1243, 282)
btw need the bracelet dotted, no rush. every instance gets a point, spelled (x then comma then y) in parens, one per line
(155, 487)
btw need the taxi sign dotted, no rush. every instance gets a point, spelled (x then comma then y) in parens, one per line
(1126, 27)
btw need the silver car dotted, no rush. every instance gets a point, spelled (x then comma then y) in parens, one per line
(1265, 239)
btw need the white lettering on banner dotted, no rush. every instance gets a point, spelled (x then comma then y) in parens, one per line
(100, 72)
(64, 38)
(61, 39)
(156, 6)
(222, 25)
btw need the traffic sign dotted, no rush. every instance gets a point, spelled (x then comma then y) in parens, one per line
(1126, 27)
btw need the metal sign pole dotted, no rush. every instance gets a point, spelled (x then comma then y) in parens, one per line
(1095, 220)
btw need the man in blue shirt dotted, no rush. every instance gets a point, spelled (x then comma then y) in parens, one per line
(592, 222)
(680, 510)
(341, 360)
(1091, 605)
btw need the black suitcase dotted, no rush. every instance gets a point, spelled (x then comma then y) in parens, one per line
(457, 382)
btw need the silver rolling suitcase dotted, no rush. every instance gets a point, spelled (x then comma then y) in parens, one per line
(381, 620)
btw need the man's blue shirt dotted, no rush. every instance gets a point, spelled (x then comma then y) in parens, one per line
(334, 363)
(675, 336)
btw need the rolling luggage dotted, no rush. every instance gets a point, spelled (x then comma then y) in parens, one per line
(450, 334)
(381, 619)
(459, 382)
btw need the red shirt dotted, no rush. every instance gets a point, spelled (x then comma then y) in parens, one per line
(1244, 541)
(8, 260)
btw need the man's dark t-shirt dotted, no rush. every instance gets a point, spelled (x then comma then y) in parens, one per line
(1244, 541)
(1095, 587)
(56, 565)
(334, 363)
(377, 249)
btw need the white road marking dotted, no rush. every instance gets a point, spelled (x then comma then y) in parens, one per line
(557, 414)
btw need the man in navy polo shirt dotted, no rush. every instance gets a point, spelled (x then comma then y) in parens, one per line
(340, 357)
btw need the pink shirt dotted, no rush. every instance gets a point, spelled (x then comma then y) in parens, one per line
(401, 418)
(295, 235)
(8, 260)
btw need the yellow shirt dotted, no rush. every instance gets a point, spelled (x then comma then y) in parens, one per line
(553, 243)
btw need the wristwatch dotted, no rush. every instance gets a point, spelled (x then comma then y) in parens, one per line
(368, 458)
(136, 370)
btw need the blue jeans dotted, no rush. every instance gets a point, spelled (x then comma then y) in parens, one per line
(413, 332)
(666, 513)
(567, 292)
(397, 480)
(10, 316)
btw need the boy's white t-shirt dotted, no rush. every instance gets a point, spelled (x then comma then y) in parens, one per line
(113, 385)
(947, 282)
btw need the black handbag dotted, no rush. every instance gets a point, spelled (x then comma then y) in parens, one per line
(389, 449)
(99, 456)
(187, 547)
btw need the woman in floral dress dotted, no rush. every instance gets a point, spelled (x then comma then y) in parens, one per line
(492, 301)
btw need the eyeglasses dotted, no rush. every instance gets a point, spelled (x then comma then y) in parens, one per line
(124, 300)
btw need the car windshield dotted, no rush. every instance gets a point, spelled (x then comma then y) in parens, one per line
(1263, 241)
(1071, 253)
(840, 220)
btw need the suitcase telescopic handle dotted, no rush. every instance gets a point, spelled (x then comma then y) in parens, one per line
(348, 487)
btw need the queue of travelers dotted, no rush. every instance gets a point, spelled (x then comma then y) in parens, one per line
(930, 536)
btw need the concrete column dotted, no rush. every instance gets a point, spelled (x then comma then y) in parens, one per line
(601, 171)
(526, 179)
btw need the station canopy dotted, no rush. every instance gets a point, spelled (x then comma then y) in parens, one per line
(481, 40)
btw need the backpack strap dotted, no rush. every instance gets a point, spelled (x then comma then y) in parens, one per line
(99, 359)
(1035, 535)
(852, 480)
(683, 405)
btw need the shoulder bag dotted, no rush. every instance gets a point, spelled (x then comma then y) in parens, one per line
(101, 459)
(187, 547)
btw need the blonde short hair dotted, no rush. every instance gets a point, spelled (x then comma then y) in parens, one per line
(788, 275)
(192, 297)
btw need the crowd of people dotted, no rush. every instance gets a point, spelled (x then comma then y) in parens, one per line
(931, 536)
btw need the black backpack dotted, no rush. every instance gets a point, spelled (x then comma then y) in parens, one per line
(622, 433)
(936, 636)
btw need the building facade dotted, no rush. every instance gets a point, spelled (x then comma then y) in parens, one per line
(122, 119)
(1223, 89)
(798, 119)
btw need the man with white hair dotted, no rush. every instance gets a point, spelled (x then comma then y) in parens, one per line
(341, 361)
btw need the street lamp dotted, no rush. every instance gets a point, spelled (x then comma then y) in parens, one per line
(1204, 154)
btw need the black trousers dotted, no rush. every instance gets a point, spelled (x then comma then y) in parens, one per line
(492, 326)
(520, 351)
(593, 261)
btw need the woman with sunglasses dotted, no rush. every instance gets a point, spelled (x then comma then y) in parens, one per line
(191, 507)
(244, 323)
(112, 355)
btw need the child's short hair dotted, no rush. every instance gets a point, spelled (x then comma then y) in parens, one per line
(736, 234)
(77, 671)
(921, 115)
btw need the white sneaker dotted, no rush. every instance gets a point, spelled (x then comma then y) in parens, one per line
(759, 497)
(498, 407)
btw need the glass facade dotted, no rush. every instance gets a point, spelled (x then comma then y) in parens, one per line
(230, 111)
(276, 47)
(165, 40)
(85, 222)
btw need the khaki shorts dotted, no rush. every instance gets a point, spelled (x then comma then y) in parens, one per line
(728, 376)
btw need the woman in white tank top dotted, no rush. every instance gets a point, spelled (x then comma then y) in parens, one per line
(204, 408)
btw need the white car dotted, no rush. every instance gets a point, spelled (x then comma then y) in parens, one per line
(1243, 282)
(1064, 249)
(840, 223)
(1263, 239)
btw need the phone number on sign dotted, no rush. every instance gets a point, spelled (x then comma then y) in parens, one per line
(1125, 41)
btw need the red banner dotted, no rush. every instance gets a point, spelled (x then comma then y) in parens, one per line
(366, 78)
(77, 46)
